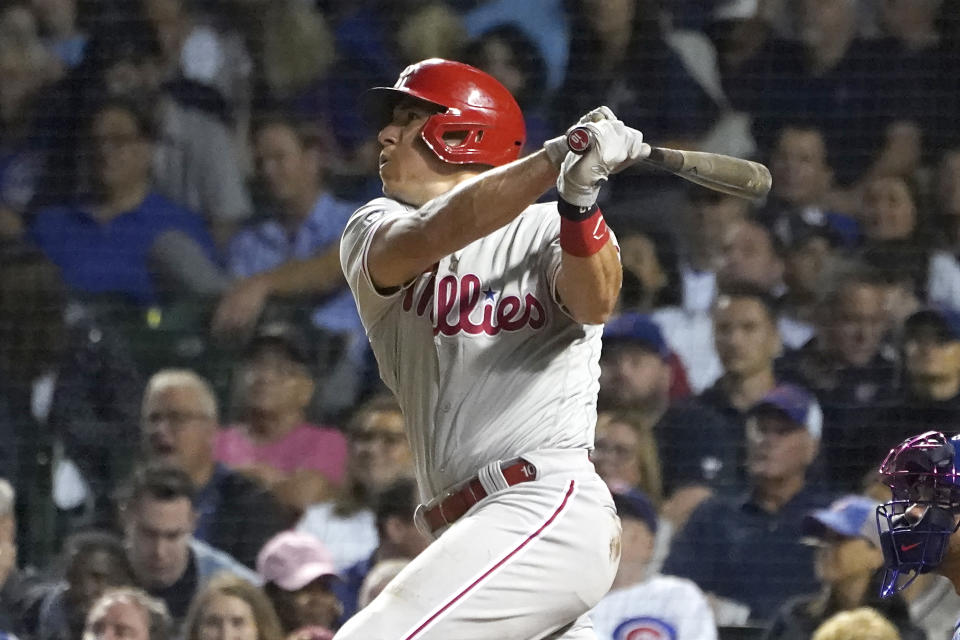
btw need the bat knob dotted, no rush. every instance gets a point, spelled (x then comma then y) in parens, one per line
(579, 140)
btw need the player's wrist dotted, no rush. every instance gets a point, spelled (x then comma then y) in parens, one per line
(583, 231)
(575, 192)
(575, 212)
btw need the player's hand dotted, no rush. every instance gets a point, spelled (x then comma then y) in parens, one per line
(556, 148)
(240, 307)
(615, 146)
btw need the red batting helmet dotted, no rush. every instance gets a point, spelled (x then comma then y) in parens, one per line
(471, 102)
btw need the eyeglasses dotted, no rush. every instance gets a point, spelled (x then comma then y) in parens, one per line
(366, 436)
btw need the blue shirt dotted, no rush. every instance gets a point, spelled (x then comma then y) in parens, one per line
(737, 550)
(112, 257)
(268, 245)
(348, 587)
(207, 502)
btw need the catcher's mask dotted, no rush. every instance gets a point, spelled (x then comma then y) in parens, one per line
(916, 524)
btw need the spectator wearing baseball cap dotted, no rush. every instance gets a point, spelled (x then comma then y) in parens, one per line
(639, 329)
(848, 563)
(300, 579)
(300, 462)
(786, 407)
(635, 375)
(640, 597)
(747, 548)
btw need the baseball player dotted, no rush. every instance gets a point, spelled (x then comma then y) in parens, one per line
(484, 311)
(918, 524)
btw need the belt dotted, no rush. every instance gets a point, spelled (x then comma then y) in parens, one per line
(452, 506)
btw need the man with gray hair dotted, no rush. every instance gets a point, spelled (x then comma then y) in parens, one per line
(128, 613)
(179, 422)
(752, 560)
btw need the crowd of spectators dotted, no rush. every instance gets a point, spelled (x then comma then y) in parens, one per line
(192, 430)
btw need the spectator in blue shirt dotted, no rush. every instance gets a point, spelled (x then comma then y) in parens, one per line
(748, 548)
(305, 222)
(124, 238)
(294, 253)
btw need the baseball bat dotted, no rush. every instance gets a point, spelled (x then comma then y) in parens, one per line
(726, 174)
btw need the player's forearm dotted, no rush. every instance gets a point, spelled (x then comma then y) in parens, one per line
(589, 287)
(483, 204)
(317, 275)
(407, 246)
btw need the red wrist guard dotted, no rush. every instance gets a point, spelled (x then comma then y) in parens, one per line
(584, 238)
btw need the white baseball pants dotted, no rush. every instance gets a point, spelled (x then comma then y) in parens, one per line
(525, 563)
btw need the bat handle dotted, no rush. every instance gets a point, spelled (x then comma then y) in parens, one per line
(579, 140)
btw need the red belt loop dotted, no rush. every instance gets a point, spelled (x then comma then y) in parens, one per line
(452, 507)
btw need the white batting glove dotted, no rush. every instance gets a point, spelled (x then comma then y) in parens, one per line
(614, 147)
(556, 148)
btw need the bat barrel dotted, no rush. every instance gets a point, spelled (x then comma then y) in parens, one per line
(726, 174)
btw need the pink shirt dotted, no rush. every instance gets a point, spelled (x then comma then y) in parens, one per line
(308, 446)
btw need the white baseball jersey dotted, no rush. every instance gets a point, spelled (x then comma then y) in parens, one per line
(485, 363)
(659, 608)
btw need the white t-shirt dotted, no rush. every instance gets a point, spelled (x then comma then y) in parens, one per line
(349, 539)
(484, 362)
(659, 608)
(689, 334)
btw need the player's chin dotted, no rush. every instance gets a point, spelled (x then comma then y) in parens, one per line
(391, 188)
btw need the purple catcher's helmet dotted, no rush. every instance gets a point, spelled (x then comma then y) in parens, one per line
(916, 524)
